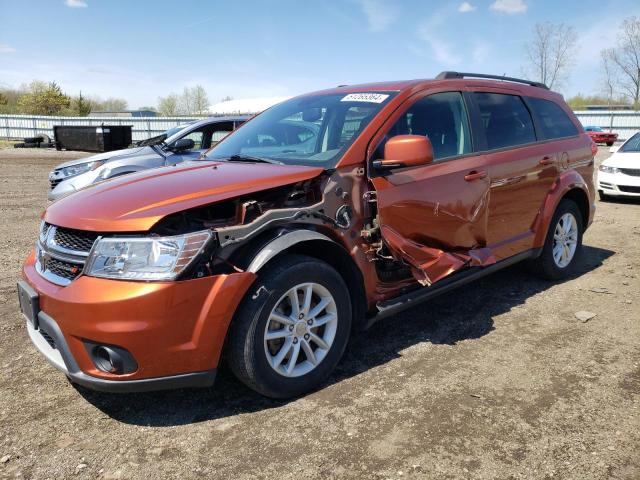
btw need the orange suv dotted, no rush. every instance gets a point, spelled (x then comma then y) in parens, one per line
(315, 219)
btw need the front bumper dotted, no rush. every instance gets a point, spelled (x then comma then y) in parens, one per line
(175, 331)
(618, 184)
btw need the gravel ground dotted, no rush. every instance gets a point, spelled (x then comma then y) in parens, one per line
(499, 380)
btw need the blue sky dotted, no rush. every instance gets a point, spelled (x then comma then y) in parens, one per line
(140, 50)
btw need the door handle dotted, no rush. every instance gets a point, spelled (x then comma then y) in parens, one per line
(473, 175)
(546, 161)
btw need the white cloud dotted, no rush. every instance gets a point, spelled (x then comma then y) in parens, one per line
(4, 48)
(509, 6)
(466, 7)
(76, 3)
(379, 14)
(441, 50)
(480, 53)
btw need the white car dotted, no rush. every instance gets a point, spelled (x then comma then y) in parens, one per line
(619, 175)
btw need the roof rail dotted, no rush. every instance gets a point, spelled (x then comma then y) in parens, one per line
(451, 75)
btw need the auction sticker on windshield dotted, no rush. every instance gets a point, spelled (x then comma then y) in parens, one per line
(365, 97)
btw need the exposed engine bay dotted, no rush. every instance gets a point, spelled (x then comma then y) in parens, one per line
(339, 204)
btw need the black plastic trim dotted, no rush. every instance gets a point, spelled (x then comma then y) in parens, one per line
(186, 380)
(408, 300)
(459, 75)
(76, 375)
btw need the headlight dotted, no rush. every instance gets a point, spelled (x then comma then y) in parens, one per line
(145, 258)
(74, 170)
(606, 169)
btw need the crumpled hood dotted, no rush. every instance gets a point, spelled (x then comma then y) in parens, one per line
(128, 152)
(135, 202)
(623, 160)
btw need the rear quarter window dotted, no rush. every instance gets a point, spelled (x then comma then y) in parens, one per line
(506, 120)
(554, 121)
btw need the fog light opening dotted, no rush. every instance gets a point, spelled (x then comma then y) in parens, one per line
(107, 359)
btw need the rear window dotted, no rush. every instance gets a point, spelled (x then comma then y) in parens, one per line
(554, 121)
(506, 120)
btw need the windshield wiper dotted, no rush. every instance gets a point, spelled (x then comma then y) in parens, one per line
(249, 158)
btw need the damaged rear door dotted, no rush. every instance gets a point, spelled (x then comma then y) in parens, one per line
(434, 216)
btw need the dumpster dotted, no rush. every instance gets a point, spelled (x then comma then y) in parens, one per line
(103, 138)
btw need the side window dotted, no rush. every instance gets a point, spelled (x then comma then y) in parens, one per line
(197, 137)
(443, 118)
(219, 131)
(353, 118)
(554, 121)
(506, 120)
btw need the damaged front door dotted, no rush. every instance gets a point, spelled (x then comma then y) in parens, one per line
(434, 216)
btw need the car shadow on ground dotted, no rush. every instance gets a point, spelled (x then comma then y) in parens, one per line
(447, 320)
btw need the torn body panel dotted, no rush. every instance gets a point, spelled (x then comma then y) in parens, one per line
(331, 204)
(434, 218)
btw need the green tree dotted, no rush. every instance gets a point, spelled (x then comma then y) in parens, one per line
(43, 99)
(80, 106)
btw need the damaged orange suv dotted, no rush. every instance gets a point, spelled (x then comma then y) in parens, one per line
(315, 219)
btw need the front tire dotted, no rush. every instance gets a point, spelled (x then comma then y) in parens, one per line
(291, 329)
(563, 244)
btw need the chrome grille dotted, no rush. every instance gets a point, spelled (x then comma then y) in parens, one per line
(62, 252)
(62, 268)
(54, 183)
(76, 240)
(634, 172)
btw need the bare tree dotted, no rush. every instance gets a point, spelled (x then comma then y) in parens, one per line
(550, 53)
(186, 102)
(625, 58)
(194, 101)
(169, 106)
(609, 74)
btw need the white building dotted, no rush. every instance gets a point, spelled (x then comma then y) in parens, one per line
(244, 105)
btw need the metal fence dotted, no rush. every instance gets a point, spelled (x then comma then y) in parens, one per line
(20, 126)
(624, 123)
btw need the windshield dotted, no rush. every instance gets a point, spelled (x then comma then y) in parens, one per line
(157, 140)
(631, 145)
(313, 130)
(594, 129)
(174, 130)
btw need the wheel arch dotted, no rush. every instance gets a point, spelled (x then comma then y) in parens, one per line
(316, 245)
(581, 199)
(570, 187)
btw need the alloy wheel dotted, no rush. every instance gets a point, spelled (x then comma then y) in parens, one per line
(300, 330)
(565, 240)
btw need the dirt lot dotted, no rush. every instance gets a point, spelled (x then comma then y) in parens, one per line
(497, 381)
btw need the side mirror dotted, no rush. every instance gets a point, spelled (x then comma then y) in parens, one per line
(404, 151)
(312, 114)
(614, 149)
(182, 144)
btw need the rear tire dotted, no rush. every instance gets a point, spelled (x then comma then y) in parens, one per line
(282, 350)
(563, 244)
(609, 144)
